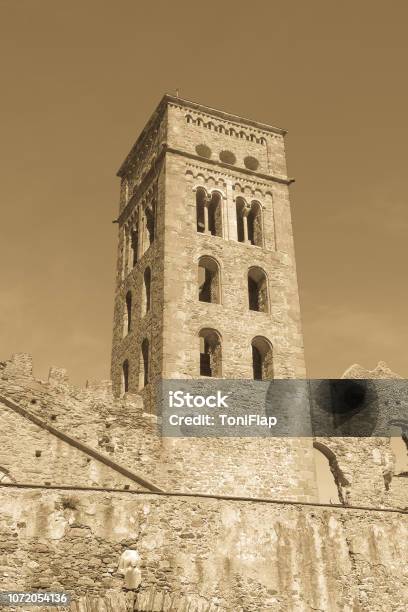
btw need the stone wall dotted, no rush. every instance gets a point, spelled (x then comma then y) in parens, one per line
(189, 127)
(144, 325)
(185, 315)
(236, 555)
(119, 428)
(30, 454)
(165, 159)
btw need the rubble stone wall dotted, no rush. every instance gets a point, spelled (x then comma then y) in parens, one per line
(237, 555)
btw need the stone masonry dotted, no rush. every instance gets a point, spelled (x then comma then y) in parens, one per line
(206, 286)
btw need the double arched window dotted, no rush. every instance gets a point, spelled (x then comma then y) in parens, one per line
(249, 221)
(209, 212)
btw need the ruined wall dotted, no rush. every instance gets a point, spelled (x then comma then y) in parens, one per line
(240, 556)
(120, 429)
(29, 454)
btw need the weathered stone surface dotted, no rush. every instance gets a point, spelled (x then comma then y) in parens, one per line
(198, 553)
(244, 556)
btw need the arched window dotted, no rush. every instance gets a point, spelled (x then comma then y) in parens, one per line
(240, 205)
(201, 197)
(146, 292)
(128, 313)
(330, 479)
(208, 280)
(125, 258)
(257, 290)
(210, 353)
(209, 212)
(125, 376)
(215, 215)
(249, 222)
(262, 359)
(134, 242)
(144, 364)
(255, 225)
(149, 213)
(399, 447)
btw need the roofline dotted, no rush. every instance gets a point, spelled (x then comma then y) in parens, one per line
(168, 98)
(156, 113)
(224, 114)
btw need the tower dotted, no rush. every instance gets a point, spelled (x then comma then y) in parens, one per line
(206, 278)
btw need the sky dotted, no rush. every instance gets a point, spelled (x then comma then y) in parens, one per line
(81, 78)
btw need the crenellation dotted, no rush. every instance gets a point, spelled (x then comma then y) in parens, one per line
(20, 365)
(58, 376)
(100, 387)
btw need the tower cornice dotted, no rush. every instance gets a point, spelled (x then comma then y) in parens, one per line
(169, 100)
(181, 102)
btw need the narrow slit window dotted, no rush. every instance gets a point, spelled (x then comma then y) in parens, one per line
(125, 376)
(128, 314)
(145, 365)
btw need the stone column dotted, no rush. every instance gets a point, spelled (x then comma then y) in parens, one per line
(231, 232)
(207, 201)
(245, 212)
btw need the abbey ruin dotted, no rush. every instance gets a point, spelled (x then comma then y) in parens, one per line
(95, 503)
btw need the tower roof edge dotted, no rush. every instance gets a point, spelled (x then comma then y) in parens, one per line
(223, 114)
(195, 106)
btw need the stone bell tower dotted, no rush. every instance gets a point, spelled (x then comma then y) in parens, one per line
(206, 279)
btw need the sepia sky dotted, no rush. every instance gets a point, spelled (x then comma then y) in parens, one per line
(80, 79)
